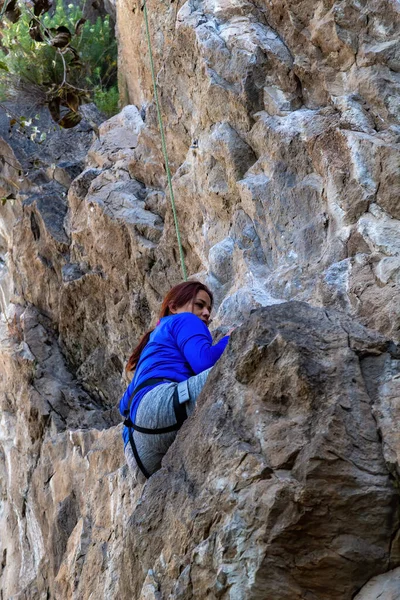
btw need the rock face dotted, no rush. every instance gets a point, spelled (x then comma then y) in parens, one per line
(277, 487)
(383, 587)
(282, 123)
(46, 419)
(294, 108)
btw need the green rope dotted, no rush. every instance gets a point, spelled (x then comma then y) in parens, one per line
(163, 144)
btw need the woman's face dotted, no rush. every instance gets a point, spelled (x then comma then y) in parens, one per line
(200, 306)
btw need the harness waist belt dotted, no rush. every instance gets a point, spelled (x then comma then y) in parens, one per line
(146, 383)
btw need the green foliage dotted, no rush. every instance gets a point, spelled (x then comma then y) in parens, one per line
(107, 100)
(60, 74)
(26, 59)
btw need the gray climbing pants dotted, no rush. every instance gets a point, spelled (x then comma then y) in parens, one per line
(155, 411)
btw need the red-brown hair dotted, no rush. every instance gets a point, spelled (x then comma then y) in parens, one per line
(178, 296)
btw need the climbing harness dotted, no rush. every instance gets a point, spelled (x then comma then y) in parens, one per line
(180, 415)
(163, 143)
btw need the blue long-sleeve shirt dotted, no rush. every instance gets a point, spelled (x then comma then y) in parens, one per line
(179, 347)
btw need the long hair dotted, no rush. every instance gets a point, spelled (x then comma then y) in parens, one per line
(178, 296)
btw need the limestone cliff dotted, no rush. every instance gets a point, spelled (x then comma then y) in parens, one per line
(295, 110)
(283, 128)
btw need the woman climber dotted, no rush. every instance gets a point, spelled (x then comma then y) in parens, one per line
(171, 363)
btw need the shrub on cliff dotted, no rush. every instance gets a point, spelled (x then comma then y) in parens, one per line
(57, 59)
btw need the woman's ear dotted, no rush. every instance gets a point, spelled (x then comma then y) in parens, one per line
(172, 309)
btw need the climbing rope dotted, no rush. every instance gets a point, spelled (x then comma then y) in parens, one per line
(163, 143)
